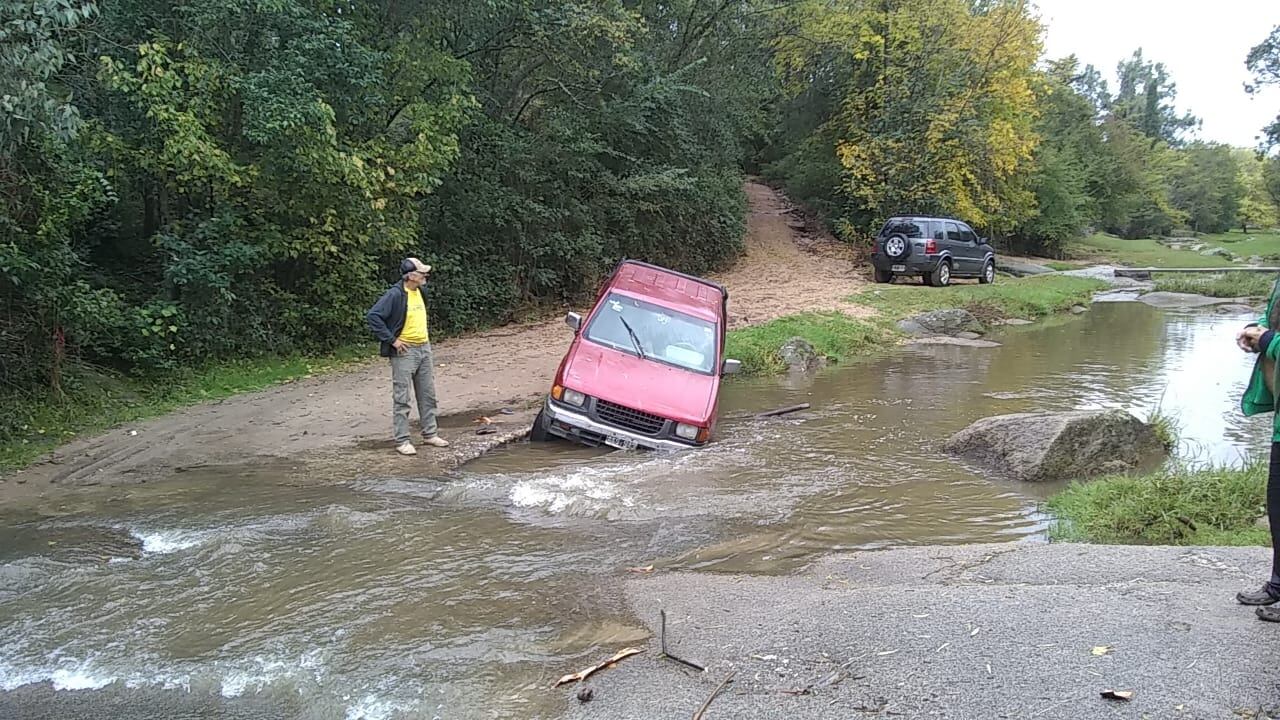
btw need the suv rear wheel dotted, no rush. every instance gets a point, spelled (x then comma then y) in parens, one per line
(941, 276)
(897, 246)
(988, 275)
(883, 276)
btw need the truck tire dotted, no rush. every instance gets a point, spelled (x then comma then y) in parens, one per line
(538, 433)
(883, 276)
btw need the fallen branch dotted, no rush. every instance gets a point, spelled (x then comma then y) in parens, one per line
(584, 674)
(784, 410)
(662, 645)
(714, 693)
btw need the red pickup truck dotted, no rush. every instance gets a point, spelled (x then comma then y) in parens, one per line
(644, 367)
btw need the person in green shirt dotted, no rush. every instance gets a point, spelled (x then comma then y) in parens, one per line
(1260, 397)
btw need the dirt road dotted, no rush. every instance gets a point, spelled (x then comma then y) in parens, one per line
(333, 425)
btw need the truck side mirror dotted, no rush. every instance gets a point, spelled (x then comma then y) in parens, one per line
(731, 367)
(573, 320)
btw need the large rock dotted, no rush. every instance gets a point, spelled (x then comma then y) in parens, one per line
(1059, 445)
(800, 356)
(1018, 268)
(1163, 299)
(941, 322)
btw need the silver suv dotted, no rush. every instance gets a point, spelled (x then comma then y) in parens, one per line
(934, 248)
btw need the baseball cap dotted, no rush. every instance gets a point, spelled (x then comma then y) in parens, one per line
(409, 265)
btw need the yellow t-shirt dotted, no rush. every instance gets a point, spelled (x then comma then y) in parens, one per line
(415, 321)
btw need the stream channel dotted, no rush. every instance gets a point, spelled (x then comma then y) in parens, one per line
(467, 595)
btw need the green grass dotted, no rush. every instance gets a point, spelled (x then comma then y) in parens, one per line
(832, 334)
(1143, 253)
(1226, 285)
(1215, 506)
(1246, 244)
(1029, 298)
(31, 426)
(839, 336)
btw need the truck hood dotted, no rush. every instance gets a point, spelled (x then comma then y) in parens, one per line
(647, 385)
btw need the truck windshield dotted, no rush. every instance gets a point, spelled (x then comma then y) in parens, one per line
(664, 335)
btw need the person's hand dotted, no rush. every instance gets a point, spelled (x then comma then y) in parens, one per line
(400, 346)
(1248, 338)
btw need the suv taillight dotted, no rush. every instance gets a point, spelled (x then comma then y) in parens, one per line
(930, 247)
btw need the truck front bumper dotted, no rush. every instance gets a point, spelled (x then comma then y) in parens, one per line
(572, 425)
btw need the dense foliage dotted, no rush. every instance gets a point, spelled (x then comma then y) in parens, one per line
(944, 106)
(189, 182)
(193, 181)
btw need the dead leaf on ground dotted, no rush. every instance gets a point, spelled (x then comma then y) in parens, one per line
(645, 569)
(482, 420)
(1125, 695)
(1102, 649)
(588, 672)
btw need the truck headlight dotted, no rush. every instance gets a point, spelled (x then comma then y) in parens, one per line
(573, 397)
(688, 432)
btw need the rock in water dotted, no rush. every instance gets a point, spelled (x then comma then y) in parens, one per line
(941, 322)
(800, 356)
(1059, 445)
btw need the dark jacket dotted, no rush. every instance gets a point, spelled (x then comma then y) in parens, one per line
(386, 317)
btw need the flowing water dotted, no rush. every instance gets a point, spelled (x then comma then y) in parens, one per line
(466, 596)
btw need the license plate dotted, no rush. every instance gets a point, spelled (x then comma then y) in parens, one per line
(622, 443)
(899, 268)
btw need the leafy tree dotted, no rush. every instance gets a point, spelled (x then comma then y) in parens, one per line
(1146, 96)
(1264, 62)
(1205, 185)
(934, 109)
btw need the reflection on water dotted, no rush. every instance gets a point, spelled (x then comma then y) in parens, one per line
(465, 596)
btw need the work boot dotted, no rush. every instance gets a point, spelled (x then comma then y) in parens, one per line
(437, 441)
(1268, 594)
(406, 448)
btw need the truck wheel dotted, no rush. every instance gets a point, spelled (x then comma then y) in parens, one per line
(883, 276)
(538, 433)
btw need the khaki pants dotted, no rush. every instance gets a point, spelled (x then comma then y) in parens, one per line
(413, 367)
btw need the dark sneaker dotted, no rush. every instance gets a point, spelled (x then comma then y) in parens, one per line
(1268, 594)
(1270, 613)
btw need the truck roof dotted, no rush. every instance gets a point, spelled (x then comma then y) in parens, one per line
(672, 288)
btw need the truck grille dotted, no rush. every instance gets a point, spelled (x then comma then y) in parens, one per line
(625, 417)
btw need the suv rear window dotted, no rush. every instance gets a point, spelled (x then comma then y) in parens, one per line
(908, 228)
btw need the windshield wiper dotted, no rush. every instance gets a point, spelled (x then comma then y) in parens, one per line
(634, 340)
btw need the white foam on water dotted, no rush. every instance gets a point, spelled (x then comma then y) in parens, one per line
(555, 494)
(372, 707)
(263, 671)
(69, 675)
(166, 542)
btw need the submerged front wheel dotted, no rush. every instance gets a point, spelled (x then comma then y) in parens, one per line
(538, 433)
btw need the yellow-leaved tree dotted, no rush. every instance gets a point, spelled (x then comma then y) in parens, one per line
(936, 103)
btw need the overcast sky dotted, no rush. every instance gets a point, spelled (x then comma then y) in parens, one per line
(1203, 45)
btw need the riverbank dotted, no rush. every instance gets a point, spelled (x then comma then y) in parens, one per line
(1173, 506)
(330, 425)
(840, 337)
(793, 279)
(963, 632)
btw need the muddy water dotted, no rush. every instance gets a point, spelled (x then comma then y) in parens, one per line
(466, 596)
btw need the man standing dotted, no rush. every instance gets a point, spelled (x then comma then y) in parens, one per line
(399, 321)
